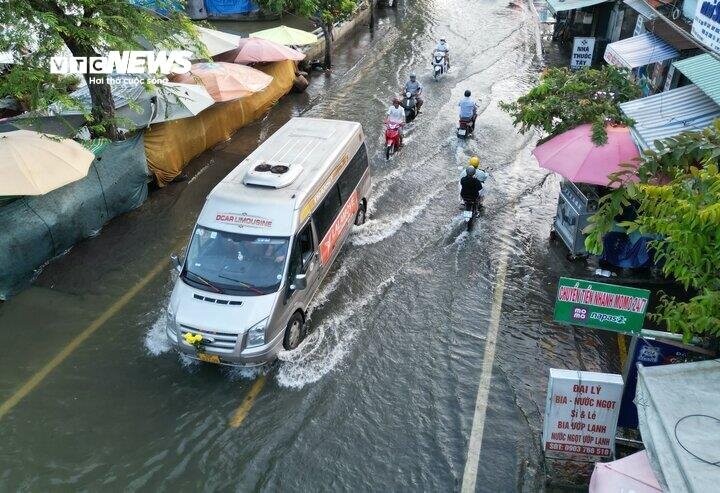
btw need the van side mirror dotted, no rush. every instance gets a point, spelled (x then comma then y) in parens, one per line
(176, 262)
(299, 283)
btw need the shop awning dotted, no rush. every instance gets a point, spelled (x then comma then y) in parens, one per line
(642, 8)
(639, 50)
(704, 72)
(563, 5)
(670, 113)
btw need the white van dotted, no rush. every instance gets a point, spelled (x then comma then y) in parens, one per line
(265, 239)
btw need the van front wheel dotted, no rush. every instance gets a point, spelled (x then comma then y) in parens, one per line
(294, 332)
(360, 215)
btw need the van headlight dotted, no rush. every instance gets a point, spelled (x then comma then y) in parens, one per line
(256, 334)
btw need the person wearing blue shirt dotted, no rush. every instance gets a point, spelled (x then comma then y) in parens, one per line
(415, 88)
(443, 47)
(468, 108)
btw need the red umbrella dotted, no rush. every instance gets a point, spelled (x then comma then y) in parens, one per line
(257, 50)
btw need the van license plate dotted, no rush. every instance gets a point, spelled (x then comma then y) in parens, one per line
(209, 358)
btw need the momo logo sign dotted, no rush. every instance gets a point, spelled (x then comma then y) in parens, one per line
(124, 62)
(600, 305)
(244, 220)
(706, 24)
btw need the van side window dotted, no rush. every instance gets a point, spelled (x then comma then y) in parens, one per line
(353, 173)
(328, 210)
(305, 246)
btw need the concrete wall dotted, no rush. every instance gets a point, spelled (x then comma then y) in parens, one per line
(340, 31)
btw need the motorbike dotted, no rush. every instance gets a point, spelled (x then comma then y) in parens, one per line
(471, 212)
(466, 127)
(410, 105)
(392, 138)
(471, 208)
(439, 64)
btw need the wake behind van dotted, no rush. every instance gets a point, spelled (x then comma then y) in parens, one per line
(264, 241)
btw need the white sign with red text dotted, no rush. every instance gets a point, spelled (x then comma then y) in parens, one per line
(581, 414)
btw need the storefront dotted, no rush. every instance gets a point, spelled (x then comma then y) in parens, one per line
(647, 55)
(598, 19)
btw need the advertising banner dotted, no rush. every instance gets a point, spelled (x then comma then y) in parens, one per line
(706, 24)
(581, 414)
(601, 306)
(582, 53)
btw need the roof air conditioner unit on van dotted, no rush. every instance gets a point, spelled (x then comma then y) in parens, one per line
(272, 174)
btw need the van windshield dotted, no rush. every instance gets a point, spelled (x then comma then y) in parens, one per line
(234, 263)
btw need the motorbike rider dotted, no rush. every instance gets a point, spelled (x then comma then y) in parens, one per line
(396, 114)
(415, 88)
(480, 175)
(443, 47)
(468, 108)
(470, 187)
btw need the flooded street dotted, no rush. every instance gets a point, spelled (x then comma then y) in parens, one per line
(415, 323)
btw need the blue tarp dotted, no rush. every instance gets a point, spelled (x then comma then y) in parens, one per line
(230, 6)
(625, 251)
(37, 229)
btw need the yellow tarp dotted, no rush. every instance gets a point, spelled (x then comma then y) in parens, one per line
(169, 146)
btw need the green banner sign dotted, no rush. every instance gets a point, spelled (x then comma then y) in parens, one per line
(600, 305)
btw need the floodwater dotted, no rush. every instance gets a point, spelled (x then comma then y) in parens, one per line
(382, 394)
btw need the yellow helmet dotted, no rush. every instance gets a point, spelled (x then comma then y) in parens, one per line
(474, 162)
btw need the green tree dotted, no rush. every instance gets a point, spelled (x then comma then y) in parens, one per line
(40, 29)
(324, 13)
(677, 198)
(565, 99)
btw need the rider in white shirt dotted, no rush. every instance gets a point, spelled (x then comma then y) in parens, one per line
(396, 114)
(443, 46)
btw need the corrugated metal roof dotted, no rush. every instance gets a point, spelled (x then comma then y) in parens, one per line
(641, 7)
(639, 50)
(670, 113)
(704, 72)
(562, 5)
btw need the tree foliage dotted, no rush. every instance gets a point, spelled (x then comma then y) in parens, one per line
(565, 99)
(36, 30)
(324, 13)
(677, 198)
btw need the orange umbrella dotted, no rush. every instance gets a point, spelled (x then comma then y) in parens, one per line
(225, 81)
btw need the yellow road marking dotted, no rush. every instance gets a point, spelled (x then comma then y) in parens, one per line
(41, 374)
(247, 403)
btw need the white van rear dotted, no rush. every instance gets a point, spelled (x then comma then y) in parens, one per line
(264, 241)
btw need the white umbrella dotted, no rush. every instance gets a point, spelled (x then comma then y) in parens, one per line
(32, 163)
(176, 101)
(215, 41)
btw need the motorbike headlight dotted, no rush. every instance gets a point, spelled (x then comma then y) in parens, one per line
(256, 334)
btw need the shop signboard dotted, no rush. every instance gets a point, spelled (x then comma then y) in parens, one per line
(581, 413)
(601, 306)
(706, 24)
(582, 53)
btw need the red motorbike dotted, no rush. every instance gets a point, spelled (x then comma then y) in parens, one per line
(392, 138)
